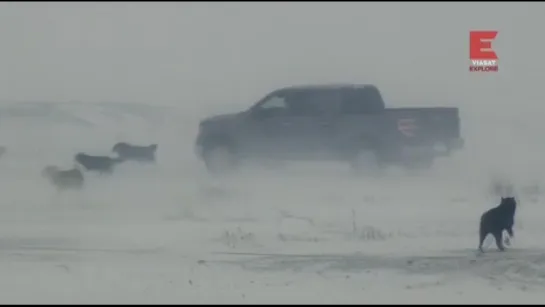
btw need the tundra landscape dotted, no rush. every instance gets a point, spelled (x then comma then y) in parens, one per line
(80, 77)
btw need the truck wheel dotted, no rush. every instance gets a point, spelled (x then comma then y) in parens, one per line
(366, 162)
(219, 159)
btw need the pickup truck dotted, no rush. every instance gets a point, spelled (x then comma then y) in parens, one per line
(347, 123)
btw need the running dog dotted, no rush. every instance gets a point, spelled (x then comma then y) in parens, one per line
(102, 164)
(64, 179)
(496, 220)
(127, 151)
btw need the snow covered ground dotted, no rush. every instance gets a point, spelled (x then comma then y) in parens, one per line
(301, 234)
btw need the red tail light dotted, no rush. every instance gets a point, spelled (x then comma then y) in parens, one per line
(407, 126)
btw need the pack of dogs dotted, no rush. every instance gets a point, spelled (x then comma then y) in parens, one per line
(493, 222)
(73, 179)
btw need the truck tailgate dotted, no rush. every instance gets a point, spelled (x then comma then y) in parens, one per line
(426, 125)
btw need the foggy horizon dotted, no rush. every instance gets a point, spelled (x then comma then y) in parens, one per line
(231, 52)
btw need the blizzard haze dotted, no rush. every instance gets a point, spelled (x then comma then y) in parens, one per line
(82, 76)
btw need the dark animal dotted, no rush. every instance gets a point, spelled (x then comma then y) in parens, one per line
(102, 164)
(64, 180)
(496, 220)
(127, 151)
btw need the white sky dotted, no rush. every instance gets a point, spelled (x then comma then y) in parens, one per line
(233, 53)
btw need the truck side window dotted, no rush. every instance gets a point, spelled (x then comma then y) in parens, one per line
(313, 103)
(361, 101)
(274, 102)
(272, 107)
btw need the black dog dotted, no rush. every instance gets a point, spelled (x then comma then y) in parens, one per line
(127, 151)
(64, 179)
(496, 220)
(102, 164)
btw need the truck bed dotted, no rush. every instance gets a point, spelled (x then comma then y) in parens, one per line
(424, 125)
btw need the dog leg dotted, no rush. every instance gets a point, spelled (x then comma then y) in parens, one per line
(498, 236)
(510, 232)
(507, 240)
(482, 236)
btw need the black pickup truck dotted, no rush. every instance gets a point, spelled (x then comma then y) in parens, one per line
(329, 122)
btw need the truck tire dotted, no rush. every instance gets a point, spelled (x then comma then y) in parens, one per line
(219, 158)
(366, 162)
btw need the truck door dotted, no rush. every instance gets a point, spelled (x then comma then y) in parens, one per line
(269, 137)
(311, 122)
(293, 125)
